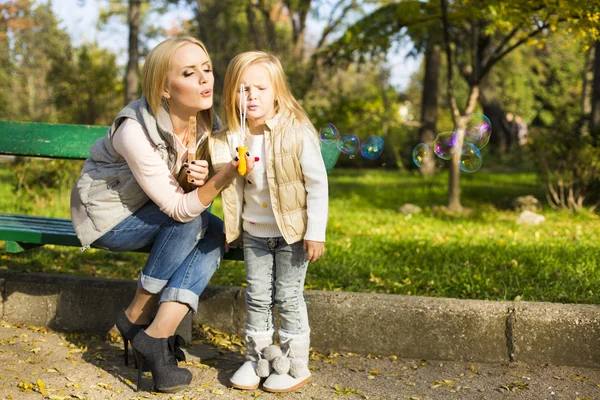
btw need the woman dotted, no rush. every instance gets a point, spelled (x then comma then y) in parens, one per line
(128, 197)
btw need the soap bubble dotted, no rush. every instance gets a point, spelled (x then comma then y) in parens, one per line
(478, 129)
(445, 145)
(348, 144)
(372, 147)
(421, 153)
(329, 133)
(470, 158)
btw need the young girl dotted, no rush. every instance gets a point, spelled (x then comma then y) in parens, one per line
(280, 208)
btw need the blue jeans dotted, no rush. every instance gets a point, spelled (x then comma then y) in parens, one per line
(275, 273)
(183, 258)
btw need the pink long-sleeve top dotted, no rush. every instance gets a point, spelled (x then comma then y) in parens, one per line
(152, 173)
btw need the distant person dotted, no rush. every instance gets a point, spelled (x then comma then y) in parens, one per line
(128, 197)
(280, 209)
(511, 130)
(522, 131)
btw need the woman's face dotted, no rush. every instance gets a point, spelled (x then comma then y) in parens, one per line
(190, 81)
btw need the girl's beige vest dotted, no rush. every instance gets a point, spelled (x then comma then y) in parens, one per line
(283, 143)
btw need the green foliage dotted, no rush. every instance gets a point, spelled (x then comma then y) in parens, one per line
(86, 87)
(38, 184)
(360, 102)
(43, 78)
(544, 83)
(569, 168)
(371, 37)
(31, 59)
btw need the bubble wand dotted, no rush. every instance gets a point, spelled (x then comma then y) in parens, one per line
(191, 144)
(242, 149)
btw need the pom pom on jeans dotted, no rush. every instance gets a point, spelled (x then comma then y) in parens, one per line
(281, 365)
(271, 352)
(298, 368)
(263, 368)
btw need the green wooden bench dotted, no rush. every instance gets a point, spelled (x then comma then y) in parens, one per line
(23, 232)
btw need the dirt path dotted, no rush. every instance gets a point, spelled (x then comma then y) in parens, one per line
(35, 363)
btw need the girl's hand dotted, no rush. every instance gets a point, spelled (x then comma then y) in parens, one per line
(314, 250)
(236, 243)
(198, 171)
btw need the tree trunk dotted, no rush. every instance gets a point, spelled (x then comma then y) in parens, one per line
(132, 73)
(429, 103)
(265, 9)
(595, 114)
(454, 178)
(252, 26)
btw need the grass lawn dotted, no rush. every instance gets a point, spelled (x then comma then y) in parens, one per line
(371, 247)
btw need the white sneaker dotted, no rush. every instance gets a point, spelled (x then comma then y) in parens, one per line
(245, 377)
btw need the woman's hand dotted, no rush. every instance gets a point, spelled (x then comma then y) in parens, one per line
(314, 250)
(232, 166)
(198, 171)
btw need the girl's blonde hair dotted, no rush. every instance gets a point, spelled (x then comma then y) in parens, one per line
(284, 100)
(154, 81)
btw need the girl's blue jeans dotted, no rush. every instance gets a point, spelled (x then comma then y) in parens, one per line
(275, 273)
(183, 257)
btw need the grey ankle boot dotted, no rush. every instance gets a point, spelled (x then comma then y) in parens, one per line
(128, 330)
(157, 353)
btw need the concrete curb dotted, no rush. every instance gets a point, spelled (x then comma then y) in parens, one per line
(406, 326)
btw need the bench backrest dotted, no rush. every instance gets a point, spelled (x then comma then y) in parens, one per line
(35, 139)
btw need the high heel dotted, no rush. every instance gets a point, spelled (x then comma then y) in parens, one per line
(161, 355)
(139, 360)
(128, 330)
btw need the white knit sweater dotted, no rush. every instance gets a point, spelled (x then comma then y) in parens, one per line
(257, 215)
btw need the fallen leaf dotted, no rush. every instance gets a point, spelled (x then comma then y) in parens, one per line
(42, 387)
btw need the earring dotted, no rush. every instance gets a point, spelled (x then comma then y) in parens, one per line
(164, 103)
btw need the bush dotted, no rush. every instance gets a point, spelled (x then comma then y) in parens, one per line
(569, 168)
(39, 179)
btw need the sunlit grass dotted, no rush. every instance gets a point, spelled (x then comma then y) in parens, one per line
(371, 247)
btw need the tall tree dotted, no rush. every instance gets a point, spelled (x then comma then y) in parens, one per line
(136, 15)
(595, 102)
(33, 50)
(86, 86)
(15, 17)
(482, 36)
(278, 26)
(132, 71)
(477, 35)
(429, 102)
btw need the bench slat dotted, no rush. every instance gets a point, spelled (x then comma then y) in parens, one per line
(37, 230)
(28, 230)
(34, 139)
(48, 140)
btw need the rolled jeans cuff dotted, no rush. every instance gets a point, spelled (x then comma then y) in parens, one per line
(181, 296)
(151, 284)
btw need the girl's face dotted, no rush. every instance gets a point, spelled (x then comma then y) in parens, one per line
(260, 95)
(190, 81)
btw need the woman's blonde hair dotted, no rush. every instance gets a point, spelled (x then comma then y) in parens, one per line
(284, 100)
